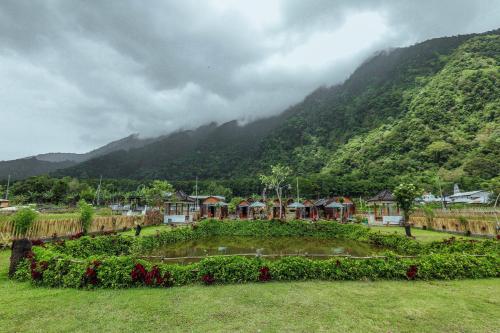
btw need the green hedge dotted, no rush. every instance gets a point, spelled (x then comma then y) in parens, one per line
(116, 272)
(111, 261)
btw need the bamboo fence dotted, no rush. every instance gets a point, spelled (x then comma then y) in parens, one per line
(479, 221)
(67, 227)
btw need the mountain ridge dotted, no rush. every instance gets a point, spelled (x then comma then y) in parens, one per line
(307, 136)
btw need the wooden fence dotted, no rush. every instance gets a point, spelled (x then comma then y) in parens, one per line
(68, 227)
(479, 221)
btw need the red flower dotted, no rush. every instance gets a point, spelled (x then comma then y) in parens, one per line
(498, 237)
(37, 269)
(411, 273)
(91, 273)
(264, 275)
(76, 236)
(153, 277)
(36, 275)
(37, 242)
(138, 273)
(208, 279)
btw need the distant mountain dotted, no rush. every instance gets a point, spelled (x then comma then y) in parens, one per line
(50, 162)
(211, 151)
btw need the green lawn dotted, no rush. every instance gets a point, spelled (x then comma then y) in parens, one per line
(420, 235)
(384, 306)
(152, 230)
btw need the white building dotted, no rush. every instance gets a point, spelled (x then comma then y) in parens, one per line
(429, 197)
(472, 197)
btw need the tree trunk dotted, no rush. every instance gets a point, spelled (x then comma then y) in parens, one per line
(281, 205)
(407, 225)
(20, 249)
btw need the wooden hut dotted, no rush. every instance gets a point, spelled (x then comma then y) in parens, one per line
(309, 210)
(242, 209)
(333, 208)
(180, 208)
(214, 207)
(384, 209)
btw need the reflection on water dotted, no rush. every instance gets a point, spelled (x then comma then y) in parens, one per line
(276, 246)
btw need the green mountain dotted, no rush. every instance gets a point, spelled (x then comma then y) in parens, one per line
(416, 112)
(450, 126)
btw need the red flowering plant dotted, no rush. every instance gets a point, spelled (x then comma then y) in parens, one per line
(411, 273)
(153, 277)
(36, 268)
(208, 279)
(76, 236)
(37, 242)
(138, 273)
(264, 274)
(91, 273)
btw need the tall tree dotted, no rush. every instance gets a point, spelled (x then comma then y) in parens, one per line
(157, 192)
(276, 180)
(405, 195)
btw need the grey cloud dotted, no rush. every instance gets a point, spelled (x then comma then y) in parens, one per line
(82, 73)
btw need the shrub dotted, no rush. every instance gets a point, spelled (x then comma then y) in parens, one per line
(23, 220)
(86, 215)
(110, 261)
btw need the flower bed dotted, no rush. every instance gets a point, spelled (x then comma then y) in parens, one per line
(112, 261)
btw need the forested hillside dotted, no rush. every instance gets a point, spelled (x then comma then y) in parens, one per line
(428, 111)
(451, 129)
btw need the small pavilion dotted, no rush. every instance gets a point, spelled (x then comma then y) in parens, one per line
(384, 208)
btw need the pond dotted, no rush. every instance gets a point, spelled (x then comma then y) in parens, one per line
(270, 248)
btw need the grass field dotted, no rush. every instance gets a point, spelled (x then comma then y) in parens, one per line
(314, 306)
(419, 234)
(147, 231)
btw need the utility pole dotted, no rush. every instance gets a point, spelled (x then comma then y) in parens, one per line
(7, 191)
(298, 197)
(196, 194)
(99, 191)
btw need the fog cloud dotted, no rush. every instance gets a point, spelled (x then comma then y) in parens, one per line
(77, 74)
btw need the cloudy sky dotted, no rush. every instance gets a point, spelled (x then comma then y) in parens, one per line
(77, 74)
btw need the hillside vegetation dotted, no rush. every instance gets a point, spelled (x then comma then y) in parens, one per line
(428, 112)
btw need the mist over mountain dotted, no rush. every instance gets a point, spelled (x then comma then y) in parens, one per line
(350, 133)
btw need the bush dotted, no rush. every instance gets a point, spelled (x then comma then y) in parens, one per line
(111, 261)
(23, 220)
(125, 272)
(86, 215)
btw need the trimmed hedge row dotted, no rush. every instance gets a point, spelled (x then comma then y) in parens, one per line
(125, 272)
(110, 262)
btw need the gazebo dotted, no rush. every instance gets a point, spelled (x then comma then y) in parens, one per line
(257, 209)
(296, 208)
(180, 208)
(384, 208)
